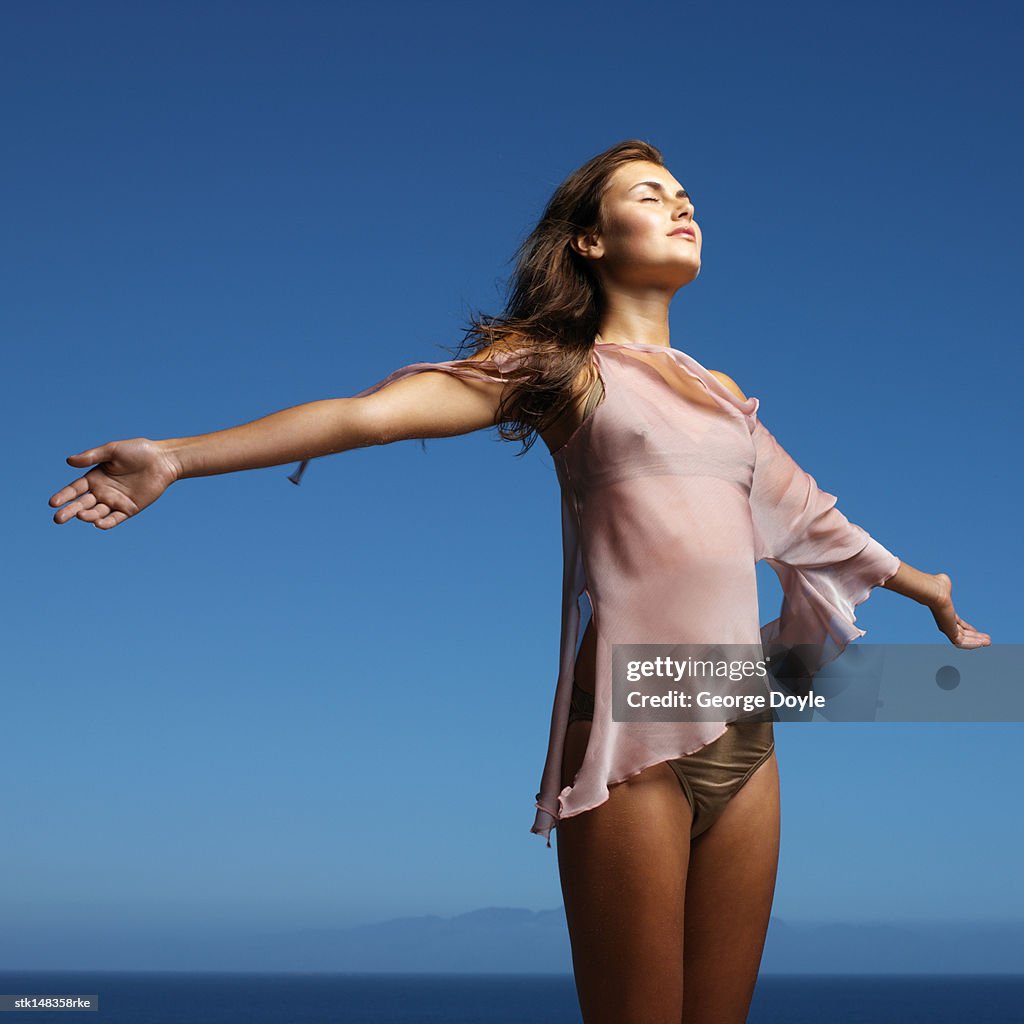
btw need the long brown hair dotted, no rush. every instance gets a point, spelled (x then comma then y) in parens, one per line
(554, 305)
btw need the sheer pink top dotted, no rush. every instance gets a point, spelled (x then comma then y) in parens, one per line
(671, 491)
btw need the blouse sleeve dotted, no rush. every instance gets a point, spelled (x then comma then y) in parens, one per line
(826, 564)
(495, 369)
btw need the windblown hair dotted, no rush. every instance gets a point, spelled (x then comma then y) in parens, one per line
(554, 305)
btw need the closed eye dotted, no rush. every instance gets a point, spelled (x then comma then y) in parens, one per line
(655, 199)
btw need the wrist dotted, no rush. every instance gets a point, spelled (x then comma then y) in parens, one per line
(941, 588)
(174, 450)
(922, 587)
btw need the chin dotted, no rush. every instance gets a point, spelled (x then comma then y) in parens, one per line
(691, 274)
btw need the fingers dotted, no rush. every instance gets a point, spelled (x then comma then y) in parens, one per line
(972, 629)
(958, 631)
(73, 490)
(89, 510)
(76, 508)
(970, 638)
(102, 516)
(97, 511)
(108, 522)
(79, 488)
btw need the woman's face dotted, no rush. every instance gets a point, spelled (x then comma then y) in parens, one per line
(644, 209)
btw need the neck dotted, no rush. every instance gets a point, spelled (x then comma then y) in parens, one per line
(636, 322)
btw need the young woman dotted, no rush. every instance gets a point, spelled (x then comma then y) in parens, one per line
(672, 490)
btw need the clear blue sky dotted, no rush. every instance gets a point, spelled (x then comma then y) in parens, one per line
(329, 704)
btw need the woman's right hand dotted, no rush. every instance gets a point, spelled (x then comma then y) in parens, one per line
(126, 478)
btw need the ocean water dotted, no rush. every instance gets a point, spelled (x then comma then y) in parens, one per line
(215, 998)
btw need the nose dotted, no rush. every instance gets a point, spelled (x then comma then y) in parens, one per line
(686, 210)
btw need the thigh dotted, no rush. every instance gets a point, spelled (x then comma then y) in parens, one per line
(729, 890)
(623, 870)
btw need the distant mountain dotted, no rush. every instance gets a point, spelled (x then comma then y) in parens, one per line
(505, 940)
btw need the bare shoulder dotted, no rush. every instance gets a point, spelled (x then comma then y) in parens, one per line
(730, 384)
(498, 351)
(487, 352)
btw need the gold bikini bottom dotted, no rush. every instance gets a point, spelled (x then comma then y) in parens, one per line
(713, 775)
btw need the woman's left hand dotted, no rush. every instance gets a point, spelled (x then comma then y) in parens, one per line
(960, 633)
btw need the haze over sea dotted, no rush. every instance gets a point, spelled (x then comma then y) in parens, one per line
(504, 999)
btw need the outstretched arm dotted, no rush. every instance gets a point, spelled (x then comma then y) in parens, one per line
(130, 475)
(813, 543)
(422, 405)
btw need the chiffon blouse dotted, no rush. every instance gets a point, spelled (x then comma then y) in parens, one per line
(672, 489)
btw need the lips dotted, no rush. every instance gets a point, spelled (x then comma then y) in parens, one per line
(689, 232)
